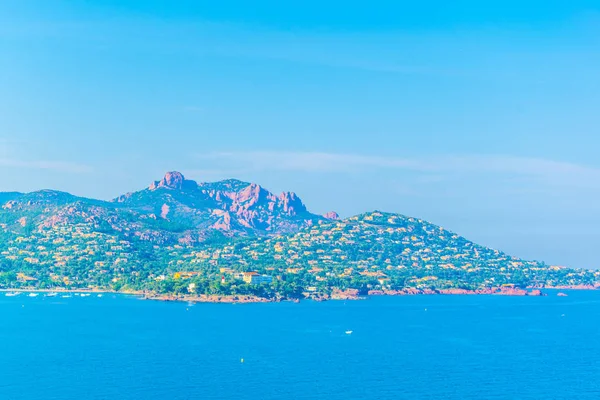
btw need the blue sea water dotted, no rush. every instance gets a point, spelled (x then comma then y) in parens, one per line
(415, 347)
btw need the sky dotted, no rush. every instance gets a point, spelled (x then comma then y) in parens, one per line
(478, 116)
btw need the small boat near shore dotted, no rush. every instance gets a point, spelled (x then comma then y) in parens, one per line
(13, 294)
(33, 294)
(53, 294)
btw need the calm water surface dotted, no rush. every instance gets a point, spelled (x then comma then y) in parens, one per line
(416, 347)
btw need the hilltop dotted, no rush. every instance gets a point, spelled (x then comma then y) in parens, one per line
(170, 211)
(178, 236)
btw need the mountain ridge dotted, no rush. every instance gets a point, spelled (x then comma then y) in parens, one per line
(230, 207)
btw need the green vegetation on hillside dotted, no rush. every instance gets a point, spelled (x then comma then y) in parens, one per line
(368, 252)
(181, 237)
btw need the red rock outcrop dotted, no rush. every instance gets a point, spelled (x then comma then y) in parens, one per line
(506, 291)
(332, 215)
(171, 180)
(291, 203)
(511, 291)
(348, 294)
(164, 211)
(251, 208)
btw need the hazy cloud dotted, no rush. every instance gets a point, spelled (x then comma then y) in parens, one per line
(431, 169)
(310, 161)
(12, 156)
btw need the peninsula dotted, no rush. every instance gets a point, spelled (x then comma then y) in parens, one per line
(236, 241)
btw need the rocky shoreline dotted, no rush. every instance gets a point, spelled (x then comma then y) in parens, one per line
(503, 291)
(349, 294)
(61, 290)
(571, 287)
(211, 299)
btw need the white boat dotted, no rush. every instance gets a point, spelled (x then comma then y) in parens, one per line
(66, 296)
(100, 295)
(348, 332)
(51, 294)
(12, 294)
(85, 295)
(33, 294)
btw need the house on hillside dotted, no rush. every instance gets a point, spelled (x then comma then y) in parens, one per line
(254, 278)
(21, 277)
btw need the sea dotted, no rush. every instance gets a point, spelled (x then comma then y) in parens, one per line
(411, 347)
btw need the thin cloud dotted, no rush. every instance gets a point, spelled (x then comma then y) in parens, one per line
(310, 161)
(12, 155)
(442, 168)
(214, 174)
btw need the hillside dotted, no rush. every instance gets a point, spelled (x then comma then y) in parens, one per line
(381, 251)
(172, 210)
(231, 207)
(179, 236)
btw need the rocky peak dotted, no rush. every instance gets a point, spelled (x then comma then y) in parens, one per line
(172, 180)
(252, 194)
(332, 215)
(291, 203)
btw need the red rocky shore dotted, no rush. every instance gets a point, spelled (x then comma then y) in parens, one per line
(353, 294)
(349, 294)
(503, 291)
(570, 287)
(211, 298)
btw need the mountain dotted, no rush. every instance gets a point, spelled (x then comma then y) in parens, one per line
(179, 236)
(171, 210)
(231, 207)
(6, 196)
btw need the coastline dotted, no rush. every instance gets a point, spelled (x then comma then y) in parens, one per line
(354, 295)
(60, 290)
(350, 294)
(212, 298)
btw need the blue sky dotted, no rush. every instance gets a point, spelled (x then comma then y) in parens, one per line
(478, 116)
